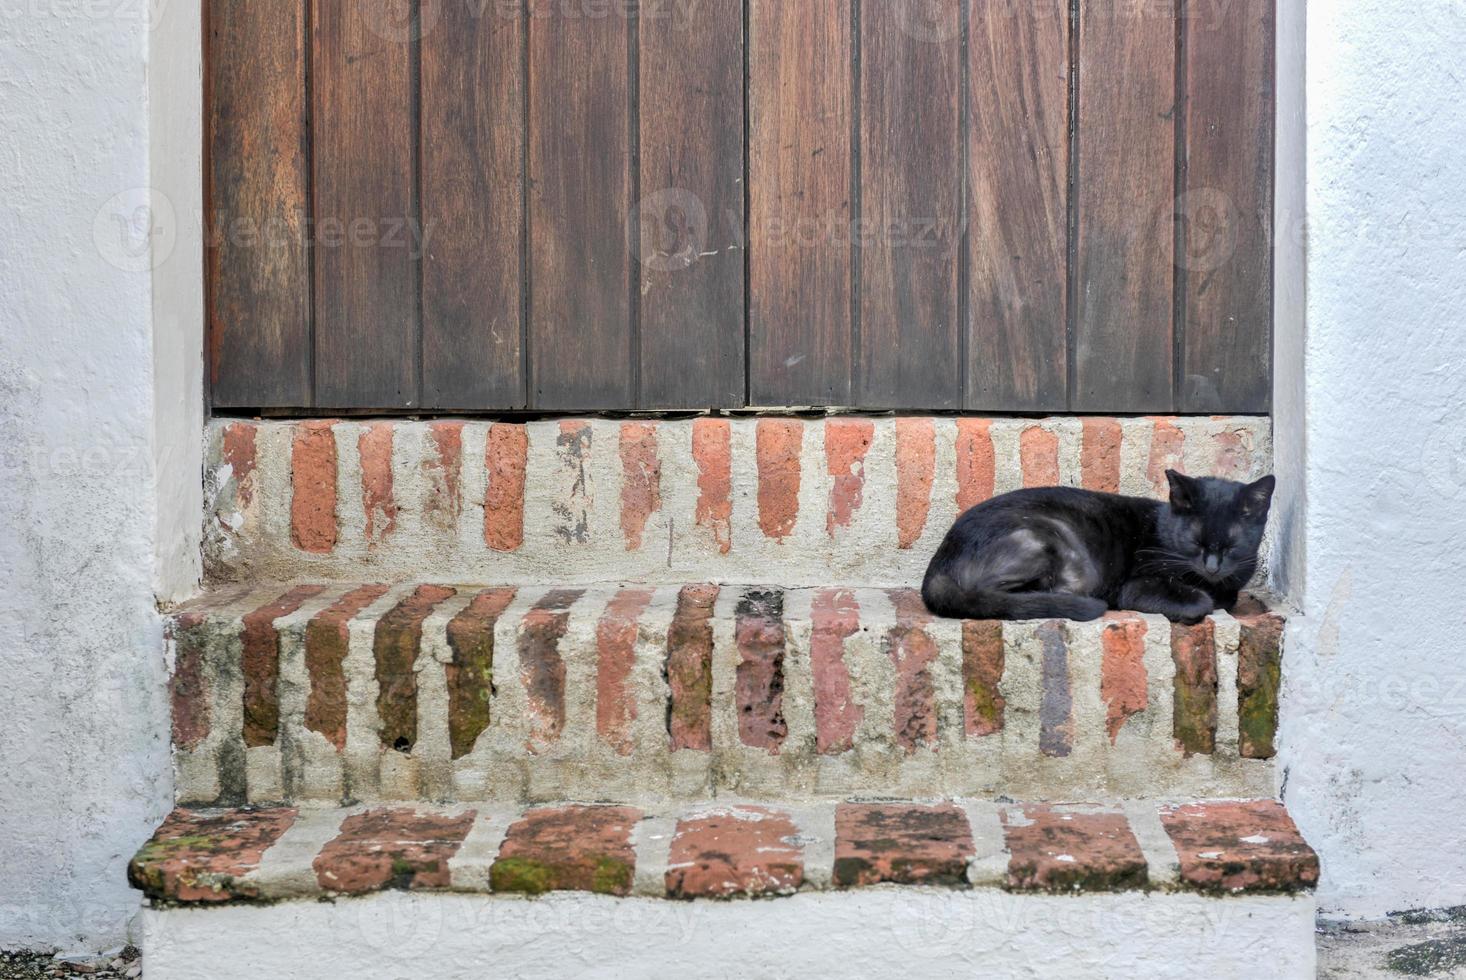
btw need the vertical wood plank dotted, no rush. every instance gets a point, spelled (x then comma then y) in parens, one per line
(910, 228)
(800, 64)
(580, 320)
(259, 276)
(1127, 87)
(472, 154)
(367, 227)
(1018, 216)
(691, 207)
(1226, 212)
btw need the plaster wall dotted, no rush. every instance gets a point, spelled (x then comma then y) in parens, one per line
(1371, 439)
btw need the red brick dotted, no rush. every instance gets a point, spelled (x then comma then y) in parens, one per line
(327, 641)
(1194, 650)
(506, 453)
(1038, 453)
(712, 451)
(260, 663)
(1234, 847)
(977, 469)
(616, 636)
(1234, 455)
(1099, 455)
(399, 849)
(758, 684)
(572, 511)
(780, 443)
(395, 646)
(913, 651)
(916, 466)
(188, 688)
(542, 667)
(1123, 678)
(846, 443)
(743, 850)
(374, 446)
(1062, 850)
(983, 704)
(470, 675)
(313, 487)
(571, 848)
(1166, 446)
(203, 855)
(444, 471)
(835, 618)
(641, 480)
(239, 454)
(690, 669)
(905, 844)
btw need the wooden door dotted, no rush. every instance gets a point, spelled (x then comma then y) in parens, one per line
(612, 205)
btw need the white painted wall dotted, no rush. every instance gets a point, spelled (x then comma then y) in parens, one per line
(1374, 713)
(875, 933)
(99, 423)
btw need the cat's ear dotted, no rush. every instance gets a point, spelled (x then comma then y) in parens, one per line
(1183, 492)
(1257, 497)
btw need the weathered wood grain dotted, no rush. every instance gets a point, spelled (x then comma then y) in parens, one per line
(472, 162)
(800, 184)
(258, 256)
(1226, 212)
(1127, 88)
(579, 165)
(910, 230)
(1018, 157)
(367, 228)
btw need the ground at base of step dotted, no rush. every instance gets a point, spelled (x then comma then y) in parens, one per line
(1409, 944)
(125, 964)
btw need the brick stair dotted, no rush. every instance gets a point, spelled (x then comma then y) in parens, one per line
(944, 888)
(723, 850)
(696, 670)
(340, 692)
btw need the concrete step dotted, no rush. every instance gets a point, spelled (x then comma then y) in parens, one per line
(336, 693)
(848, 500)
(944, 888)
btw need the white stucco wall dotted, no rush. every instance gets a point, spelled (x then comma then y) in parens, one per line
(1374, 715)
(93, 435)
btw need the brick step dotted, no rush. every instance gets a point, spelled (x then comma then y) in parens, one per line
(345, 693)
(935, 889)
(848, 500)
(722, 850)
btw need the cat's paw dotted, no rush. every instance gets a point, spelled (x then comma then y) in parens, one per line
(1192, 614)
(1087, 610)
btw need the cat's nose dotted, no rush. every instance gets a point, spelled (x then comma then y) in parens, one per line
(1213, 564)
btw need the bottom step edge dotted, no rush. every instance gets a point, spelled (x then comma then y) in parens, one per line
(876, 933)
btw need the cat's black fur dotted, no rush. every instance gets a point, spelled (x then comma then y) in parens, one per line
(1062, 553)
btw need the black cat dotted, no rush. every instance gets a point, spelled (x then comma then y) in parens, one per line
(1062, 553)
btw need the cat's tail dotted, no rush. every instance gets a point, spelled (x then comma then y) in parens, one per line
(944, 597)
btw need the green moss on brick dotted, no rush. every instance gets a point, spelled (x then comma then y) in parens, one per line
(1259, 679)
(1193, 649)
(523, 875)
(611, 876)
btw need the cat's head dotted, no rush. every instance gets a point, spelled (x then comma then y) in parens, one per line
(1213, 528)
